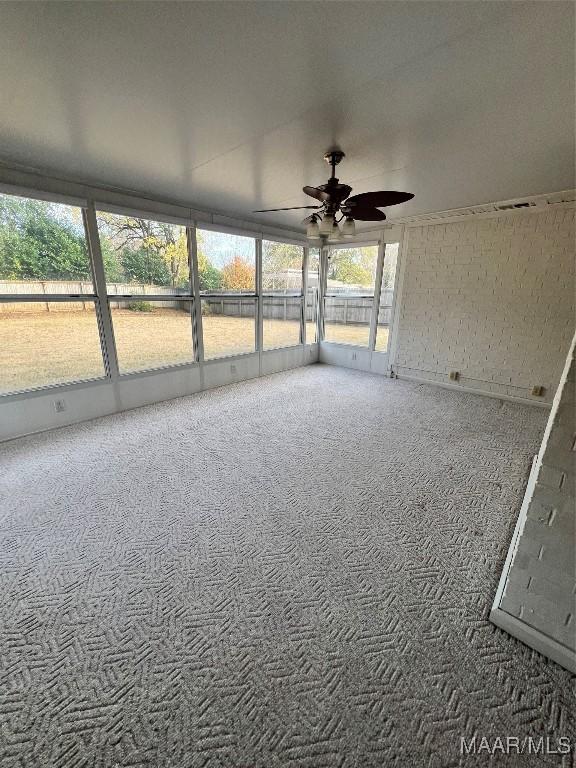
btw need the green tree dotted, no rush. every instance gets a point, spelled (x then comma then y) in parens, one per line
(210, 278)
(279, 256)
(149, 251)
(37, 241)
(113, 268)
(354, 266)
(144, 265)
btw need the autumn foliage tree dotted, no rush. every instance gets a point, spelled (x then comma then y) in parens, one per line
(239, 275)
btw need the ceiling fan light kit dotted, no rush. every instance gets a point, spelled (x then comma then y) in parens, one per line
(335, 200)
(327, 224)
(348, 228)
(313, 230)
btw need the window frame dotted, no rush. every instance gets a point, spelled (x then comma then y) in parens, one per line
(287, 295)
(378, 306)
(379, 244)
(375, 296)
(189, 218)
(222, 295)
(189, 296)
(44, 298)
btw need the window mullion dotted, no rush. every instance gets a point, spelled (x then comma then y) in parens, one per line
(377, 292)
(102, 305)
(197, 333)
(305, 262)
(323, 277)
(259, 299)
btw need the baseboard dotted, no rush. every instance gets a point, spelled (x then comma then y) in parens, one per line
(474, 391)
(534, 639)
(360, 359)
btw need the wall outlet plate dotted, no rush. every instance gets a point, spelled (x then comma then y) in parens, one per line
(232, 368)
(59, 406)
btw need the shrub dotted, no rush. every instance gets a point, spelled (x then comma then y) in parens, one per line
(140, 306)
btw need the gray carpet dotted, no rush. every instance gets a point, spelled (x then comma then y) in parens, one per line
(294, 571)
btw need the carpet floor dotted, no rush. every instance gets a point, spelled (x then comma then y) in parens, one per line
(290, 572)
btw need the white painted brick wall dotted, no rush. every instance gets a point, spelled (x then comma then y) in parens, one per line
(540, 587)
(492, 298)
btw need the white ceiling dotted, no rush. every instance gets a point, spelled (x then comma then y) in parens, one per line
(231, 106)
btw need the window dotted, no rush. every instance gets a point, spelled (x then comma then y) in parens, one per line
(349, 298)
(386, 297)
(48, 320)
(312, 295)
(282, 295)
(228, 326)
(143, 256)
(148, 286)
(152, 334)
(227, 278)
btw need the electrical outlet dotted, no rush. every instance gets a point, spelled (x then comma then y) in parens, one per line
(537, 391)
(232, 368)
(59, 406)
(353, 355)
(454, 375)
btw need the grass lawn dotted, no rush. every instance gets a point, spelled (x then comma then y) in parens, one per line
(42, 348)
(357, 335)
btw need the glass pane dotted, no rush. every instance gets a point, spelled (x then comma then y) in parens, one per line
(352, 270)
(281, 267)
(347, 320)
(42, 248)
(143, 256)
(226, 263)
(281, 321)
(312, 295)
(386, 297)
(42, 344)
(152, 334)
(229, 326)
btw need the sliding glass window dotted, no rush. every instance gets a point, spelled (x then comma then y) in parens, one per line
(282, 295)
(227, 282)
(148, 286)
(386, 297)
(349, 301)
(312, 292)
(49, 330)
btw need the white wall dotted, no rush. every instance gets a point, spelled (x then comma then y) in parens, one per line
(536, 600)
(491, 298)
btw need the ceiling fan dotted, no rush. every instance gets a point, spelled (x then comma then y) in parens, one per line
(335, 201)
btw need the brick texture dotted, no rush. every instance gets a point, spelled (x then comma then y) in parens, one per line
(492, 299)
(541, 584)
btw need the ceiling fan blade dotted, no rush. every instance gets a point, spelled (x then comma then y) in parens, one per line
(380, 199)
(296, 208)
(366, 214)
(319, 194)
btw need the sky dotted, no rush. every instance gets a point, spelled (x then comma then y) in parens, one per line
(220, 248)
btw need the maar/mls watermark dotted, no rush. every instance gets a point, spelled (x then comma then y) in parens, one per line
(515, 745)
